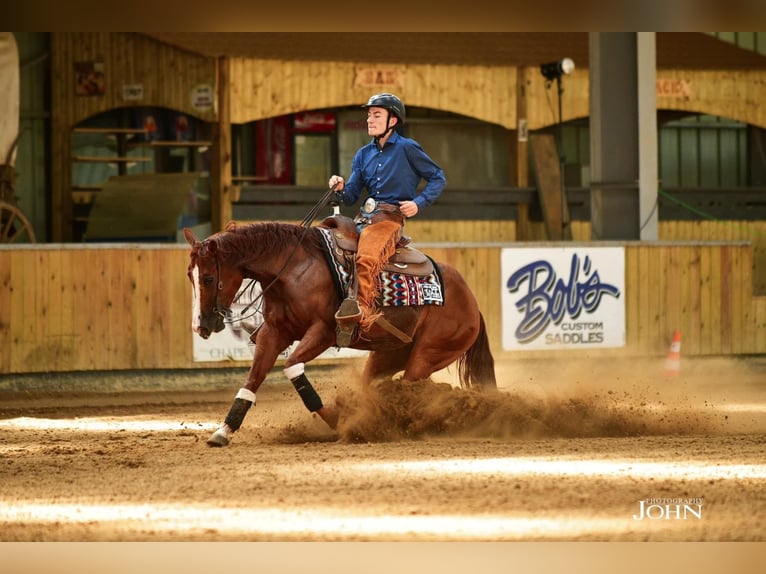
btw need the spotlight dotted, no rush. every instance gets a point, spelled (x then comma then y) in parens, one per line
(555, 70)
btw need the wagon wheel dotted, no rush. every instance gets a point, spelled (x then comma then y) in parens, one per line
(14, 226)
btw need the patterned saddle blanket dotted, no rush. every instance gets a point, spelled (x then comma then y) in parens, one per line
(410, 278)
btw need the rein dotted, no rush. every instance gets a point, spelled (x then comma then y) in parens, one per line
(306, 224)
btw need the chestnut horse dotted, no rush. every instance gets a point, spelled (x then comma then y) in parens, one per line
(300, 298)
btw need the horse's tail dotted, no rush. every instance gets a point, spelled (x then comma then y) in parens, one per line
(477, 366)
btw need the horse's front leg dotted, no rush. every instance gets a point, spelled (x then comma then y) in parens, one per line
(316, 340)
(268, 345)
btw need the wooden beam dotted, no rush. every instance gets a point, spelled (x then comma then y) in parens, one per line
(554, 205)
(522, 152)
(220, 168)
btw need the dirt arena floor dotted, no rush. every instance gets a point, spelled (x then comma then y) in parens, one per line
(609, 450)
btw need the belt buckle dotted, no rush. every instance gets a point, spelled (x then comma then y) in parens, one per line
(369, 206)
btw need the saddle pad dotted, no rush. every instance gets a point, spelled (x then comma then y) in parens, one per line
(397, 289)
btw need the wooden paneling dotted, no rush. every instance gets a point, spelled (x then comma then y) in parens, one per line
(104, 307)
(166, 74)
(269, 88)
(752, 231)
(735, 94)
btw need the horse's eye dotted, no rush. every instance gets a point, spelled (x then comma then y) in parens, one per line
(208, 280)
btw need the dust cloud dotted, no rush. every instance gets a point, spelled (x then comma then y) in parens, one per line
(552, 399)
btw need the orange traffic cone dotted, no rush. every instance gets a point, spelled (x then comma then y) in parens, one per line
(673, 361)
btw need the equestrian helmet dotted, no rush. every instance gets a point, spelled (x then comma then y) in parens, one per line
(389, 102)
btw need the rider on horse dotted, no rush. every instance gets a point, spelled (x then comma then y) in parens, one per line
(390, 168)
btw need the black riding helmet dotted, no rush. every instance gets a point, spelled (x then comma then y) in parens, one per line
(389, 102)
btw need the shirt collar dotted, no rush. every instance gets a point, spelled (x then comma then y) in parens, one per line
(393, 138)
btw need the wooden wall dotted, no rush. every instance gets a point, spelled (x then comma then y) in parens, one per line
(735, 94)
(267, 88)
(166, 74)
(115, 307)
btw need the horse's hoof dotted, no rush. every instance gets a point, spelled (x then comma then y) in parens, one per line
(330, 415)
(218, 438)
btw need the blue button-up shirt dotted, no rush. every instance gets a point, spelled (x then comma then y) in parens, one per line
(393, 173)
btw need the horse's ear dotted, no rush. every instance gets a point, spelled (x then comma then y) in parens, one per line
(191, 239)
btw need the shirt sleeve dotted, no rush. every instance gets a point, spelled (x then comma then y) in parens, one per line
(354, 185)
(429, 170)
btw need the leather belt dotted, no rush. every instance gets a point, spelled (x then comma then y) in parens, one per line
(371, 205)
(373, 211)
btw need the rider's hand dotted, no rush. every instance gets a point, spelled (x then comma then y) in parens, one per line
(408, 208)
(336, 182)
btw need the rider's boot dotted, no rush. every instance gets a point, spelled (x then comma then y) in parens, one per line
(347, 319)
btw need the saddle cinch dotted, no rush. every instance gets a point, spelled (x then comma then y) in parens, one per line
(406, 260)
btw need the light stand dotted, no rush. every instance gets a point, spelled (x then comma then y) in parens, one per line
(554, 71)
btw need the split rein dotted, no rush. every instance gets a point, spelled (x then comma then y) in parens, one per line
(306, 224)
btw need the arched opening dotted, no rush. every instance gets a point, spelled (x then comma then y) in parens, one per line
(127, 150)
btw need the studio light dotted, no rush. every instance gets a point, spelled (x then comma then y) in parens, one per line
(557, 69)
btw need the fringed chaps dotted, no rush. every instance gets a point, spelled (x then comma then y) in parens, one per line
(377, 244)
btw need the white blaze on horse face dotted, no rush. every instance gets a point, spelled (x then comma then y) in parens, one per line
(196, 292)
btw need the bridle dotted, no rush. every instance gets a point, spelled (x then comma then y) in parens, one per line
(224, 311)
(218, 308)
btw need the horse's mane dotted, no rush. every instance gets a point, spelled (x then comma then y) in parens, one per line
(240, 242)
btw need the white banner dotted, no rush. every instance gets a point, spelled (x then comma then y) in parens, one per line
(563, 298)
(233, 343)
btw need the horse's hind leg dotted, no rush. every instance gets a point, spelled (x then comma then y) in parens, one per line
(437, 347)
(386, 364)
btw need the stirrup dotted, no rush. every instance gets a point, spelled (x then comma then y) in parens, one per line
(347, 319)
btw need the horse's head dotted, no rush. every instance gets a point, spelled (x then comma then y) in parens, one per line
(214, 283)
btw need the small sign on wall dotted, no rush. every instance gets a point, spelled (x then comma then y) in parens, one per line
(523, 130)
(673, 88)
(202, 97)
(132, 92)
(379, 78)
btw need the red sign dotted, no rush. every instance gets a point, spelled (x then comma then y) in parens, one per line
(315, 122)
(379, 78)
(673, 88)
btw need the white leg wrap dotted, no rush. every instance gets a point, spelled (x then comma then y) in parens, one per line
(294, 371)
(246, 394)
